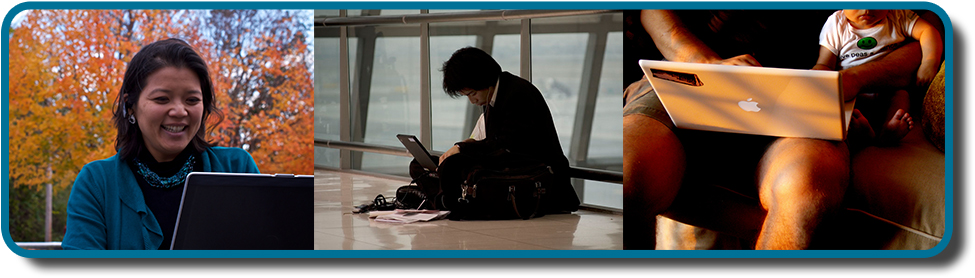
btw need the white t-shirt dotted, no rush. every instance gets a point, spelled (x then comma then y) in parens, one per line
(479, 132)
(854, 47)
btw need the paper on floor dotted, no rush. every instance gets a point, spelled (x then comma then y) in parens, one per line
(407, 216)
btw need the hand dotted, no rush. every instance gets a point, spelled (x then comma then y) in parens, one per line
(925, 74)
(452, 151)
(740, 60)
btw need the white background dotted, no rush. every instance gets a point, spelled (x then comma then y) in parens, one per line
(956, 260)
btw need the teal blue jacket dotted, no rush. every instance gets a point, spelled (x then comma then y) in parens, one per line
(106, 209)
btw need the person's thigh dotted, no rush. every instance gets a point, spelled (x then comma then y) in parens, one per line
(657, 152)
(653, 157)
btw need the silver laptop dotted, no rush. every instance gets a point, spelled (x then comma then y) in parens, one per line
(751, 100)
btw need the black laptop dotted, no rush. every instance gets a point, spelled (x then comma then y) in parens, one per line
(223, 211)
(419, 153)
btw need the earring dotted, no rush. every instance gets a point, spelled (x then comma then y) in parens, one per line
(132, 119)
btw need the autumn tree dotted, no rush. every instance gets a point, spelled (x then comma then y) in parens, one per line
(263, 72)
(66, 68)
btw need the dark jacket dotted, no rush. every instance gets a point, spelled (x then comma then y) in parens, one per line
(106, 209)
(521, 123)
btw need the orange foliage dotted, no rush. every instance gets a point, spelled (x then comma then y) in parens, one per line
(269, 92)
(66, 67)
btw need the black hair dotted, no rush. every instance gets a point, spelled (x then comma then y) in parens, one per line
(151, 58)
(469, 68)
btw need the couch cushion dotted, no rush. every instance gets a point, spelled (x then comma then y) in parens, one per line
(903, 184)
(933, 110)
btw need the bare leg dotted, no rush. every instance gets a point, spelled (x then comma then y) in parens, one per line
(653, 167)
(800, 181)
(900, 122)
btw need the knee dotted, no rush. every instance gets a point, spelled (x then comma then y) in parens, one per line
(831, 157)
(804, 172)
(803, 196)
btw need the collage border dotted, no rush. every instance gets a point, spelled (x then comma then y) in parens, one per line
(949, 136)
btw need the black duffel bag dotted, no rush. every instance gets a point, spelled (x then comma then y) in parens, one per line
(498, 193)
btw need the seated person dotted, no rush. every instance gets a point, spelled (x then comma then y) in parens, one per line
(852, 38)
(799, 181)
(130, 200)
(515, 118)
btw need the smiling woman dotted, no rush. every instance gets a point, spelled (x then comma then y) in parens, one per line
(131, 200)
(169, 111)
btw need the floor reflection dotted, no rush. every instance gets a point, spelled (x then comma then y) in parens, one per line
(337, 228)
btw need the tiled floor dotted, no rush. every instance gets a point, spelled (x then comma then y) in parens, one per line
(337, 228)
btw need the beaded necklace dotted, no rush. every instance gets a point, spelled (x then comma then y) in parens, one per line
(155, 180)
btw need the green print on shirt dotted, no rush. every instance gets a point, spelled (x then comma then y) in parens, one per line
(867, 43)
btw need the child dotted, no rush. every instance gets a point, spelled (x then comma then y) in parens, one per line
(855, 37)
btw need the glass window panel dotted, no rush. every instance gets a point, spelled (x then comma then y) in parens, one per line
(327, 91)
(507, 51)
(604, 194)
(327, 88)
(557, 62)
(606, 139)
(448, 114)
(559, 47)
(394, 103)
(394, 96)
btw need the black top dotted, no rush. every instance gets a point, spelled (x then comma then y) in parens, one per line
(521, 123)
(164, 202)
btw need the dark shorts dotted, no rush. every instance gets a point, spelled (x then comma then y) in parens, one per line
(717, 158)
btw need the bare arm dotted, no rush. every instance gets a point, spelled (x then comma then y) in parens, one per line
(826, 61)
(676, 42)
(931, 50)
(896, 70)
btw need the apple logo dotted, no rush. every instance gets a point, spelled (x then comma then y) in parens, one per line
(749, 105)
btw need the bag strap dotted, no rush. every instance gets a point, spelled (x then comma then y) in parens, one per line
(538, 200)
(514, 201)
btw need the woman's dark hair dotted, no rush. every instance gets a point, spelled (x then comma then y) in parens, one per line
(469, 68)
(151, 58)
